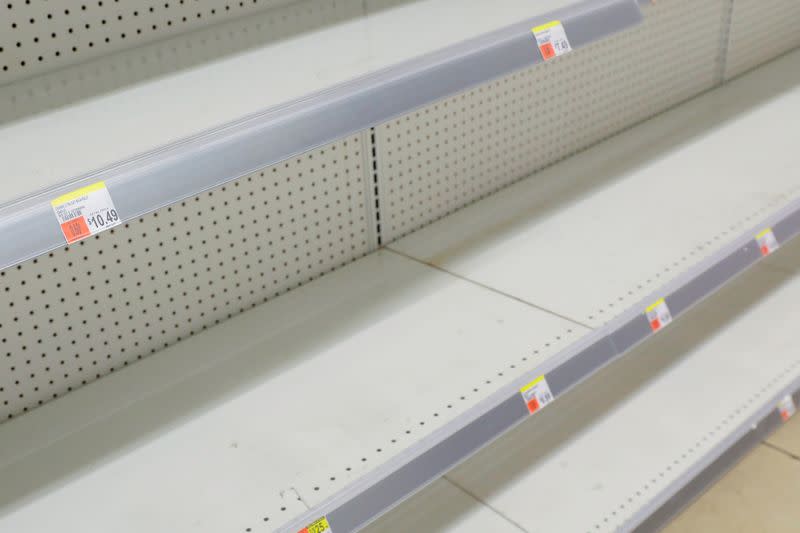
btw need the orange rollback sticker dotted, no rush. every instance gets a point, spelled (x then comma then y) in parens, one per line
(75, 229)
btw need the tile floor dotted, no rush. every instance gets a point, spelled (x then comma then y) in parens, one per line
(759, 495)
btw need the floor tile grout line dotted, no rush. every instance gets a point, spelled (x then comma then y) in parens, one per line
(484, 504)
(496, 291)
(780, 450)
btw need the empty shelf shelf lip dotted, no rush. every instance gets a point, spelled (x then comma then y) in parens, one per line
(184, 169)
(695, 481)
(382, 489)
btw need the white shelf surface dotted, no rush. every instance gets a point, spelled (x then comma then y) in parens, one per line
(612, 449)
(318, 387)
(219, 431)
(106, 129)
(591, 236)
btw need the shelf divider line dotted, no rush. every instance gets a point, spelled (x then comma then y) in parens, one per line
(484, 504)
(494, 290)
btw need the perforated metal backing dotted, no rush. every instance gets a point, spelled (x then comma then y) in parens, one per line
(37, 36)
(91, 308)
(449, 154)
(54, 86)
(761, 30)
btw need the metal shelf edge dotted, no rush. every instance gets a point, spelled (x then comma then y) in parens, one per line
(654, 518)
(389, 485)
(184, 169)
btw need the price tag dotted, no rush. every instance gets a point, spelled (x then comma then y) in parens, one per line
(319, 526)
(767, 242)
(85, 212)
(552, 39)
(787, 408)
(536, 394)
(659, 315)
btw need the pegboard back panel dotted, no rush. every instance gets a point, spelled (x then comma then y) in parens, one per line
(447, 155)
(86, 310)
(103, 73)
(761, 30)
(38, 36)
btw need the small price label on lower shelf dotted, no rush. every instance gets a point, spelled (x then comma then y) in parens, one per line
(536, 394)
(551, 38)
(659, 315)
(787, 408)
(318, 526)
(85, 212)
(767, 242)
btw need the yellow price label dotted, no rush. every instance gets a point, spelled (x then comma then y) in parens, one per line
(320, 526)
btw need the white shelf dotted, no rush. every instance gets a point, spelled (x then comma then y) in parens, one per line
(207, 435)
(591, 236)
(232, 425)
(111, 128)
(606, 455)
(171, 137)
